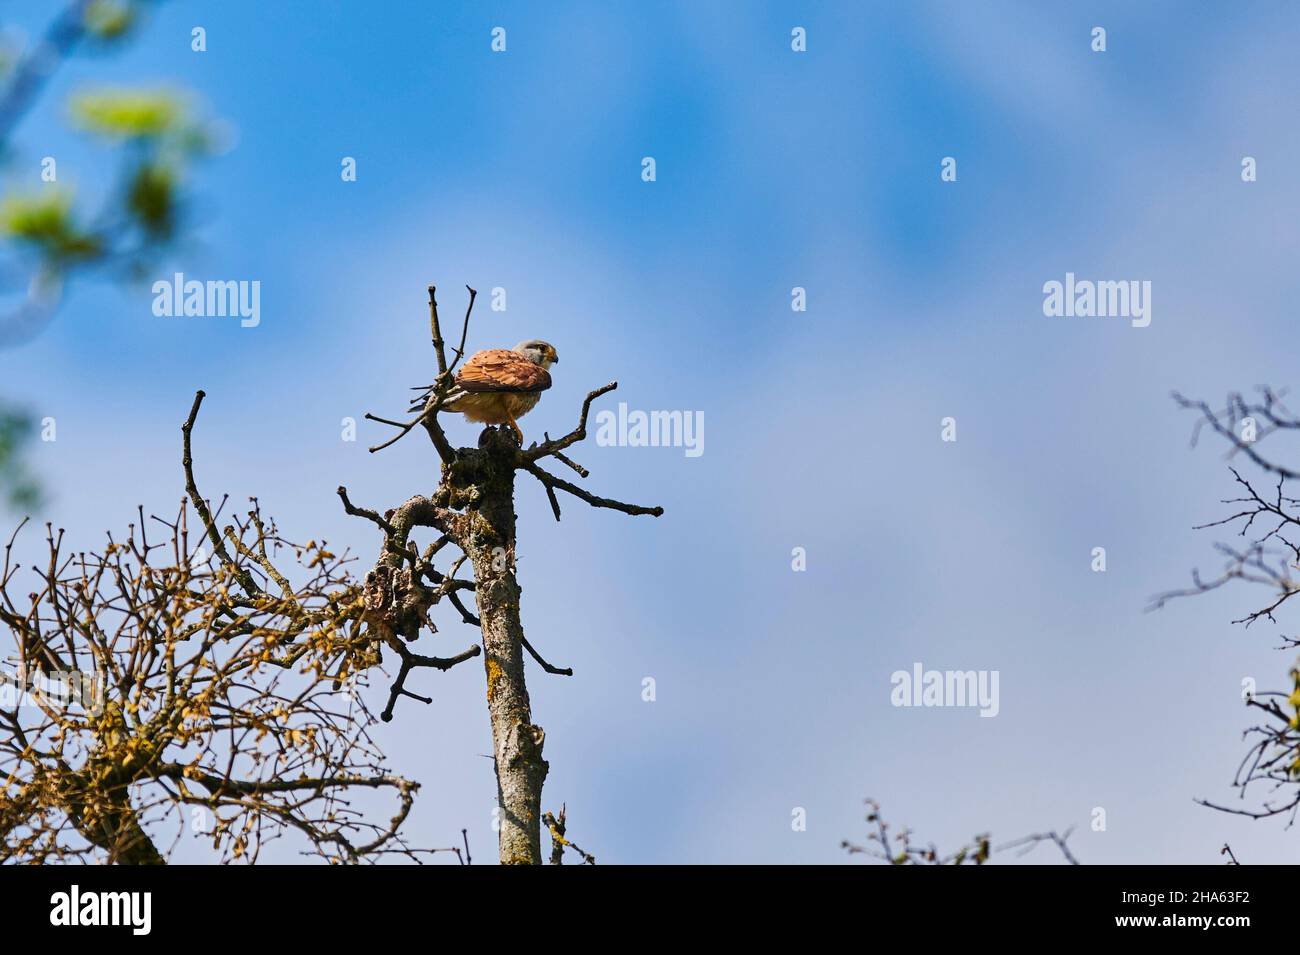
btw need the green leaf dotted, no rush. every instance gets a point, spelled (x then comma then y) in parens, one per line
(151, 198)
(109, 19)
(127, 113)
(45, 220)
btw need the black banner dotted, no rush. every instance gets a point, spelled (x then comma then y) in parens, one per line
(324, 904)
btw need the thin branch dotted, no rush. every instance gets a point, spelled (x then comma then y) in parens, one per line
(406, 427)
(1235, 404)
(552, 483)
(558, 671)
(555, 501)
(559, 842)
(1270, 559)
(465, 614)
(904, 850)
(435, 329)
(1027, 844)
(564, 459)
(368, 514)
(579, 433)
(201, 506)
(412, 660)
(464, 330)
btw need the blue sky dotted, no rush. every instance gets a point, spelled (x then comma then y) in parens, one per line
(775, 169)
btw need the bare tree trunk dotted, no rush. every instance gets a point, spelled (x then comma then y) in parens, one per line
(126, 839)
(517, 741)
(116, 829)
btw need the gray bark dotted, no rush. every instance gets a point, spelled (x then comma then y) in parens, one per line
(483, 480)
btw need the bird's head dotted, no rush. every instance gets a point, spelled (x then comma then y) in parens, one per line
(538, 352)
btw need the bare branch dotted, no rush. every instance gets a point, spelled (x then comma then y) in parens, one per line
(552, 483)
(903, 849)
(405, 427)
(1028, 843)
(201, 506)
(1269, 558)
(435, 329)
(557, 671)
(579, 433)
(464, 330)
(1222, 425)
(369, 515)
(559, 842)
(412, 660)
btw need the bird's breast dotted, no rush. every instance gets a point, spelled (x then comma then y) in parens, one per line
(520, 405)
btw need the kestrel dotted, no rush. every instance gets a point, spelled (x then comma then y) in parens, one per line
(501, 385)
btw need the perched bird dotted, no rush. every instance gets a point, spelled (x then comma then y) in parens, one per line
(500, 385)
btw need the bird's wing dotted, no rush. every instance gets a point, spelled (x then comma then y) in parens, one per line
(502, 370)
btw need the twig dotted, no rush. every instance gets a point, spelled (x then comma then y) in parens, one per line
(412, 660)
(573, 437)
(464, 330)
(406, 427)
(1029, 842)
(200, 505)
(559, 842)
(558, 671)
(465, 614)
(364, 512)
(436, 332)
(550, 482)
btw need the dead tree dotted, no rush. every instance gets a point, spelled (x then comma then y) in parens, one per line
(472, 509)
(1267, 521)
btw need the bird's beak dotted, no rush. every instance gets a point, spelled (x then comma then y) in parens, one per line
(555, 358)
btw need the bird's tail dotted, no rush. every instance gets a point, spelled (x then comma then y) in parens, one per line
(421, 398)
(419, 402)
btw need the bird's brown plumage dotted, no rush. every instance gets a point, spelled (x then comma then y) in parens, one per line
(498, 385)
(502, 370)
